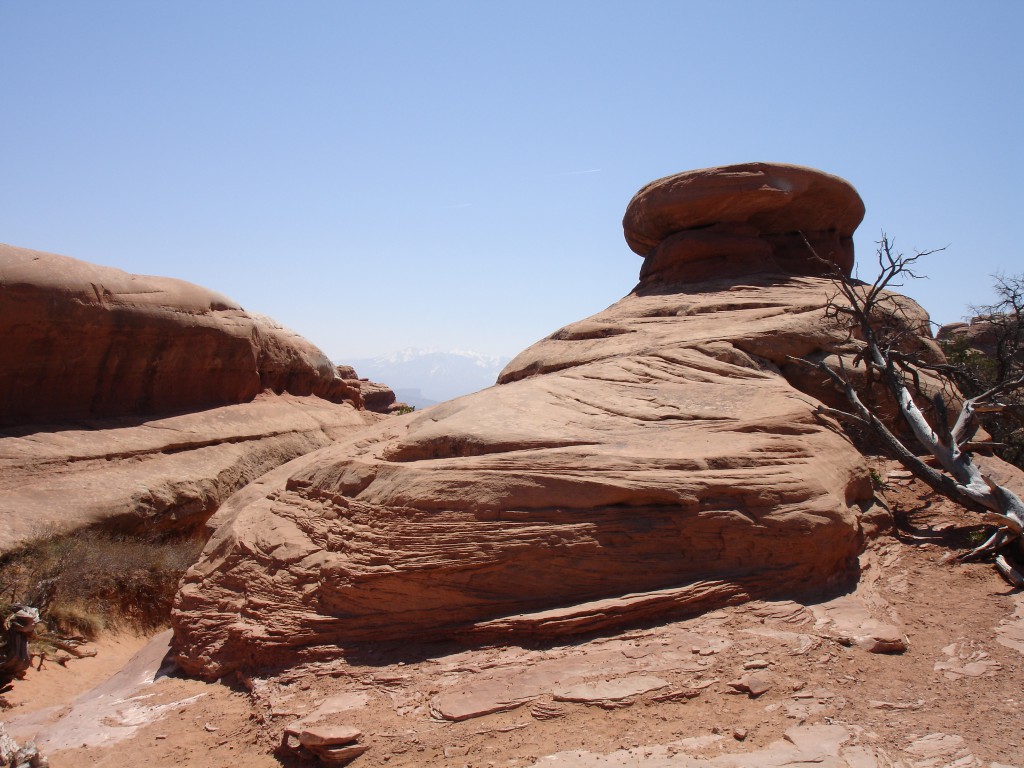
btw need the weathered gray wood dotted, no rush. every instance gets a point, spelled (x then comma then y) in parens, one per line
(862, 308)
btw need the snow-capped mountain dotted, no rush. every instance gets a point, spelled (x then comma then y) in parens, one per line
(422, 377)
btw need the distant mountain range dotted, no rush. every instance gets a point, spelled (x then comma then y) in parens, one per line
(423, 377)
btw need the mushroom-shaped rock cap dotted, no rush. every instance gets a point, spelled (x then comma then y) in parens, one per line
(772, 198)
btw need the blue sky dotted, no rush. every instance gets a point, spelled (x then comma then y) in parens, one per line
(380, 175)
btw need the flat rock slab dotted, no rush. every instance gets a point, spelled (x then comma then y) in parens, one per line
(467, 703)
(504, 689)
(753, 684)
(1010, 632)
(342, 703)
(507, 689)
(937, 746)
(315, 737)
(852, 623)
(610, 690)
(826, 746)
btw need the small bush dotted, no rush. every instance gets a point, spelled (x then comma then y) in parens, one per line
(87, 582)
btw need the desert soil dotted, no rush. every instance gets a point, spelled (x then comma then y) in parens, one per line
(647, 697)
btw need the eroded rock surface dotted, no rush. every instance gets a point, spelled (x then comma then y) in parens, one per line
(158, 475)
(376, 397)
(984, 335)
(738, 218)
(651, 460)
(141, 403)
(830, 703)
(85, 341)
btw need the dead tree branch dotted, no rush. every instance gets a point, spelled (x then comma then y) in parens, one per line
(879, 331)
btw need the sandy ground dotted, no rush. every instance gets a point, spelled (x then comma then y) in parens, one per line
(651, 697)
(57, 685)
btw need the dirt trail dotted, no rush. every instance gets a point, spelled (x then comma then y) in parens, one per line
(57, 685)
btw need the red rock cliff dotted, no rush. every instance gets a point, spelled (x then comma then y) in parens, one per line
(85, 341)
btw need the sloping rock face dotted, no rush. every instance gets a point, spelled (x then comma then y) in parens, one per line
(85, 341)
(650, 460)
(161, 475)
(139, 404)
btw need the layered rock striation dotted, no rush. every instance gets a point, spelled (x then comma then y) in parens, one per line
(651, 460)
(139, 404)
(158, 476)
(376, 397)
(744, 218)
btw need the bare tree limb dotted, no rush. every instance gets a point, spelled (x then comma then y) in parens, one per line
(878, 325)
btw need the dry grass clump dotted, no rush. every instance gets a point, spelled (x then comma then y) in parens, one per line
(90, 581)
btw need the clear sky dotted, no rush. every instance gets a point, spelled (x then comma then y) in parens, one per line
(379, 175)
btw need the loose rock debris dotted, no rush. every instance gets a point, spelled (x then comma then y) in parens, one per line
(499, 704)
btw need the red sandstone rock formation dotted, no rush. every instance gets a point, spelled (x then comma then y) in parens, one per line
(197, 399)
(376, 397)
(85, 341)
(164, 474)
(981, 334)
(743, 218)
(652, 459)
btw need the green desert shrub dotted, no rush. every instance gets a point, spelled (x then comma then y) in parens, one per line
(90, 581)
